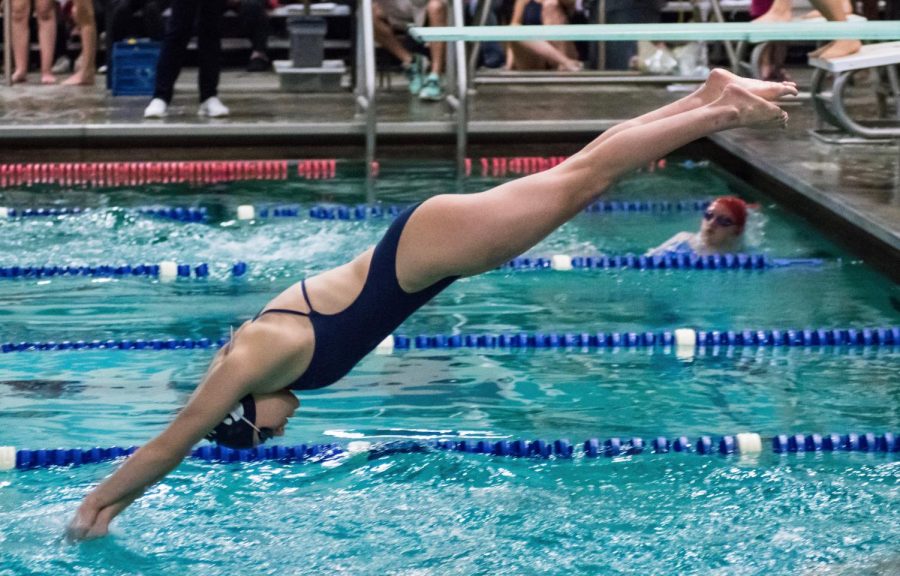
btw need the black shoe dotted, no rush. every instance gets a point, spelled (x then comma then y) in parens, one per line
(258, 64)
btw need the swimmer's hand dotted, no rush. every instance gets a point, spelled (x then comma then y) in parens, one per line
(91, 521)
(87, 524)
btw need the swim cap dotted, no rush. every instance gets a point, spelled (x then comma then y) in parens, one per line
(736, 206)
(235, 430)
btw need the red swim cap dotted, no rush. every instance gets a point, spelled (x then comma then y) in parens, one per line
(736, 206)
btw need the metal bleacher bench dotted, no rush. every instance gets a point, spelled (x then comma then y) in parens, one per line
(884, 59)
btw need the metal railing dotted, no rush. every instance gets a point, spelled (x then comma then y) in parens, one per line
(365, 81)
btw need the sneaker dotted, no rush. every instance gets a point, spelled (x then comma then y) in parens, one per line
(63, 65)
(432, 89)
(156, 108)
(413, 72)
(213, 108)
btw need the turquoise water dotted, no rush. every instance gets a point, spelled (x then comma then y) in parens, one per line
(447, 513)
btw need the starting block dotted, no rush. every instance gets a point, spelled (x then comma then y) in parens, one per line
(883, 59)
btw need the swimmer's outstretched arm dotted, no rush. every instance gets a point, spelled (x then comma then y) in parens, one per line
(254, 363)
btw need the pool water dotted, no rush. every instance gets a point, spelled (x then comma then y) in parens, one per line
(443, 512)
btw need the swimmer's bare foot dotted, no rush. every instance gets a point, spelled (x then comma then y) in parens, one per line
(836, 49)
(48, 78)
(19, 77)
(80, 78)
(720, 78)
(749, 110)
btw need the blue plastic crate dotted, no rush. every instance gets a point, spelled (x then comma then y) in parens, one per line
(133, 67)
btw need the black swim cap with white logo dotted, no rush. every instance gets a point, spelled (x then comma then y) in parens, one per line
(234, 431)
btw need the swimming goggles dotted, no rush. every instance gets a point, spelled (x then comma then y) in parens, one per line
(264, 433)
(723, 221)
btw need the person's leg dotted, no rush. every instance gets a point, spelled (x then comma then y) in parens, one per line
(780, 11)
(464, 235)
(20, 38)
(46, 21)
(437, 16)
(554, 13)
(174, 48)
(539, 55)
(209, 45)
(256, 27)
(153, 20)
(120, 14)
(87, 26)
(709, 92)
(833, 10)
(385, 37)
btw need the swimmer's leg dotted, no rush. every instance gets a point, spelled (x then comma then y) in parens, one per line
(712, 89)
(469, 234)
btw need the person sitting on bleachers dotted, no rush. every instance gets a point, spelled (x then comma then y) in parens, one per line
(541, 54)
(397, 15)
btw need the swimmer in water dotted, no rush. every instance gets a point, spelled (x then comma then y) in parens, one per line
(313, 333)
(721, 231)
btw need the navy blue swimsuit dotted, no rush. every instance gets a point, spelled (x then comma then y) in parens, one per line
(343, 339)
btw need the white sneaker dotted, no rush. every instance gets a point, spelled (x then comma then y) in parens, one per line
(62, 65)
(213, 108)
(156, 108)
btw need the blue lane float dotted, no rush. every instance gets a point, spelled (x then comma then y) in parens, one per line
(659, 262)
(358, 212)
(682, 337)
(40, 212)
(106, 271)
(176, 213)
(632, 206)
(167, 270)
(743, 443)
(110, 344)
(164, 270)
(378, 212)
(341, 212)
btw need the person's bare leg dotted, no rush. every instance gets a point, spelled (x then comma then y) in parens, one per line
(46, 20)
(710, 91)
(833, 10)
(437, 16)
(540, 54)
(780, 11)
(384, 35)
(84, 17)
(553, 13)
(472, 233)
(845, 5)
(20, 39)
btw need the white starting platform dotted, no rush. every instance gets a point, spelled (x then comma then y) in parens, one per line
(326, 78)
(883, 59)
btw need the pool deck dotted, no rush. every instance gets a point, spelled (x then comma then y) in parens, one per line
(852, 190)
